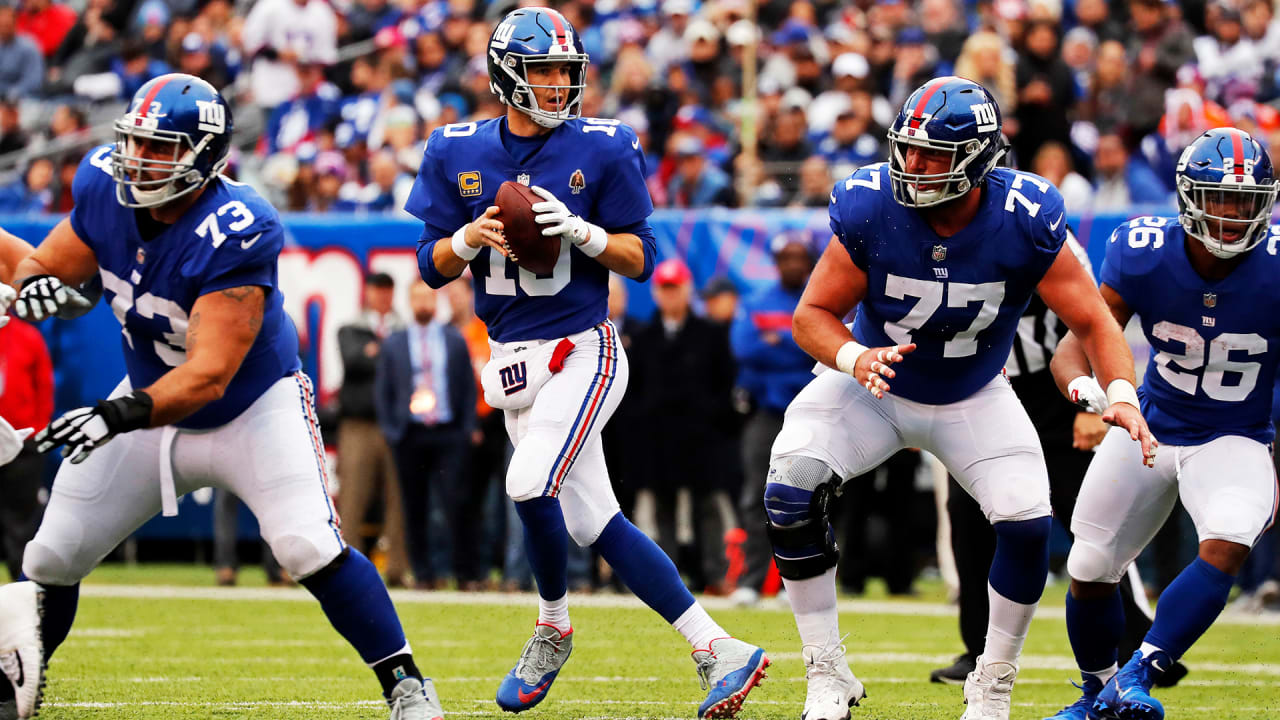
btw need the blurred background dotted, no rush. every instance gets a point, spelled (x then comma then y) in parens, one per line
(747, 114)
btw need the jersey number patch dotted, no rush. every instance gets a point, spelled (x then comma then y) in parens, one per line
(930, 294)
(1219, 362)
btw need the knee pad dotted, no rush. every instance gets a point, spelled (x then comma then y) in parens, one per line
(797, 501)
(527, 473)
(301, 556)
(584, 529)
(1091, 562)
(44, 566)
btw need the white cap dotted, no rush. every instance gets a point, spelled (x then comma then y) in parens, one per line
(850, 65)
(701, 29)
(677, 7)
(742, 32)
(796, 98)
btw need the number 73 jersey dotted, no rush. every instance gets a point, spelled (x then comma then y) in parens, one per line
(1214, 344)
(958, 298)
(230, 237)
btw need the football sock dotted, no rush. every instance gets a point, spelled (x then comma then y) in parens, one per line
(1094, 627)
(1187, 608)
(1019, 570)
(547, 543)
(645, 569)
(813, 602)
(355, 600)
(394, 669)
(60, 603)
(698, 628)
(555, 613)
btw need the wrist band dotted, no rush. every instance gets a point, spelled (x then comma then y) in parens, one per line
(460, 246)
(1121, 390)
(596, 242)
(847, 356)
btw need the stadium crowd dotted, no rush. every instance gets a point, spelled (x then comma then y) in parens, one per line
(335, 99)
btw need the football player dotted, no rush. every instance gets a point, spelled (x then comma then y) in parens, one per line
(214, 394)
(943, 251)
(557, 368)
(1209, 303)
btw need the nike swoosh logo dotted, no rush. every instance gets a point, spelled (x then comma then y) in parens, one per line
(1124, 692)
(1156, 665)
(635, 144)
(1055, 224)
(246, 244)
(532, 694)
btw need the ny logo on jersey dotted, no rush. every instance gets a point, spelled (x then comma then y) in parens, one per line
(213, 117)
(940, 273)
(1210, 300)
(514, 378)
(502, 35)
(985, 114)
(577, 181)
(1207, 321)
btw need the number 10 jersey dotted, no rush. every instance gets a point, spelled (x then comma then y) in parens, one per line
(958, 298)
(230, 237)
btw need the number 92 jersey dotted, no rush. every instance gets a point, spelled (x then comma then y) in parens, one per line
(958, 298)
(593, 166)
(229, 238)
(1214, 345)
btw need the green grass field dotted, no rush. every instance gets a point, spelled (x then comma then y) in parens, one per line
(161, 643)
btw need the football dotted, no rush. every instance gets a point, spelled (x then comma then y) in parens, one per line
(526, 244)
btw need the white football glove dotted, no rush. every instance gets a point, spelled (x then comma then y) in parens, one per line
(590, 239)
(44, 296)
(11, 441)
(1088, 394)
(86, 429)
(7, 296)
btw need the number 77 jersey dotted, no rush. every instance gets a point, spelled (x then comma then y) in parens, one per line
(958, 298)
(1214, 344)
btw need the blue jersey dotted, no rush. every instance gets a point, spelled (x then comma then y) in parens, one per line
(229, 238)
(958, 298)
(1214, 345)
(595, 167)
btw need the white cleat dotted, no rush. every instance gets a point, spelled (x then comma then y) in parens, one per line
(988, 691)
(21, 652)
(412, 699)
(832, 686)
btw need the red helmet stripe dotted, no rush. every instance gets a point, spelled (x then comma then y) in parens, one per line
(151, 95)
(926, 94)
(559, 26)
(1237, 150)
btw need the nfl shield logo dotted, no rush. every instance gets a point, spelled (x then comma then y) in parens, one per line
(523, 179)
(939, 253)
(1210, 299)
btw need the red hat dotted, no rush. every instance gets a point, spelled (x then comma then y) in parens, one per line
(671, 272)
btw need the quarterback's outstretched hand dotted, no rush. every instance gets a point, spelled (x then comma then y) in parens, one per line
(871, 367)
(1127, 416)
(590, 239)
(1088, 394)
(44, 296)
(86, 429)
(11, 441)
(7, 296)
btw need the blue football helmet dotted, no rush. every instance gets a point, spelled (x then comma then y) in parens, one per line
(530, 36)
(183, 126)
(952, 115)
(1226, 189)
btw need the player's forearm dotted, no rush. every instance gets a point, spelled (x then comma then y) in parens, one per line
(182, 391)
(446, 260)
(819, 332)
(12, 251)
(1108, 353)
(1069, 362)
(624, 254)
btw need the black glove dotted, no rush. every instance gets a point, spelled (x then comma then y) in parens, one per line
(44, 296)
(85, 429)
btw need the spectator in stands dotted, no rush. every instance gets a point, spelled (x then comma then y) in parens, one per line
(426, 400)
(366, 465)
(720, 301)
(195, 58)
(785, 146)
(944, 26)
(1226, 54)
(90, 45)
(45, 22)
(771, 370)
(330, 173)
(849, 73)
(815, 184)
(300, 118)
(1096, 16)
(915, 61)
(21, 64)
(1120, 181)
(1159, 44)
(12, 137)
(1046, 92)
(1079, 52)
(134, 67)
(696, 182)
(281, 34)
(1107, 105)
(388, 186)
(26, 401)
(669, 45)
(682, 375)
(706, 61)
(1053, 163)
(984, 59)
(854, 140)
(33, 193)
(1261, 28)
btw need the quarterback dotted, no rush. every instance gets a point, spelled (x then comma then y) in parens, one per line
(558, 369)
(940, 251)
(1204, 287)
(187, 260)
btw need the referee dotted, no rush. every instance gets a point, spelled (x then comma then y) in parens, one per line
(1068, 436)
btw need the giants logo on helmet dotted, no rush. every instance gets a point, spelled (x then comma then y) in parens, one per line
(985, 114)
(502, 35)
(213, 117)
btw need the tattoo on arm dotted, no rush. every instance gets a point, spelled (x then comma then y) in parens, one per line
(239, 294)
(193, 330)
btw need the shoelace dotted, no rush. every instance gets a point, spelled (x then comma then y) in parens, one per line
(999, 700)
(824, 661)
(705, 666)
(540, 652)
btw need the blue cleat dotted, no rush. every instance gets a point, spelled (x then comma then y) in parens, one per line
(728, 669)
(1128, 695)
(540, 662)
(1082, 709)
